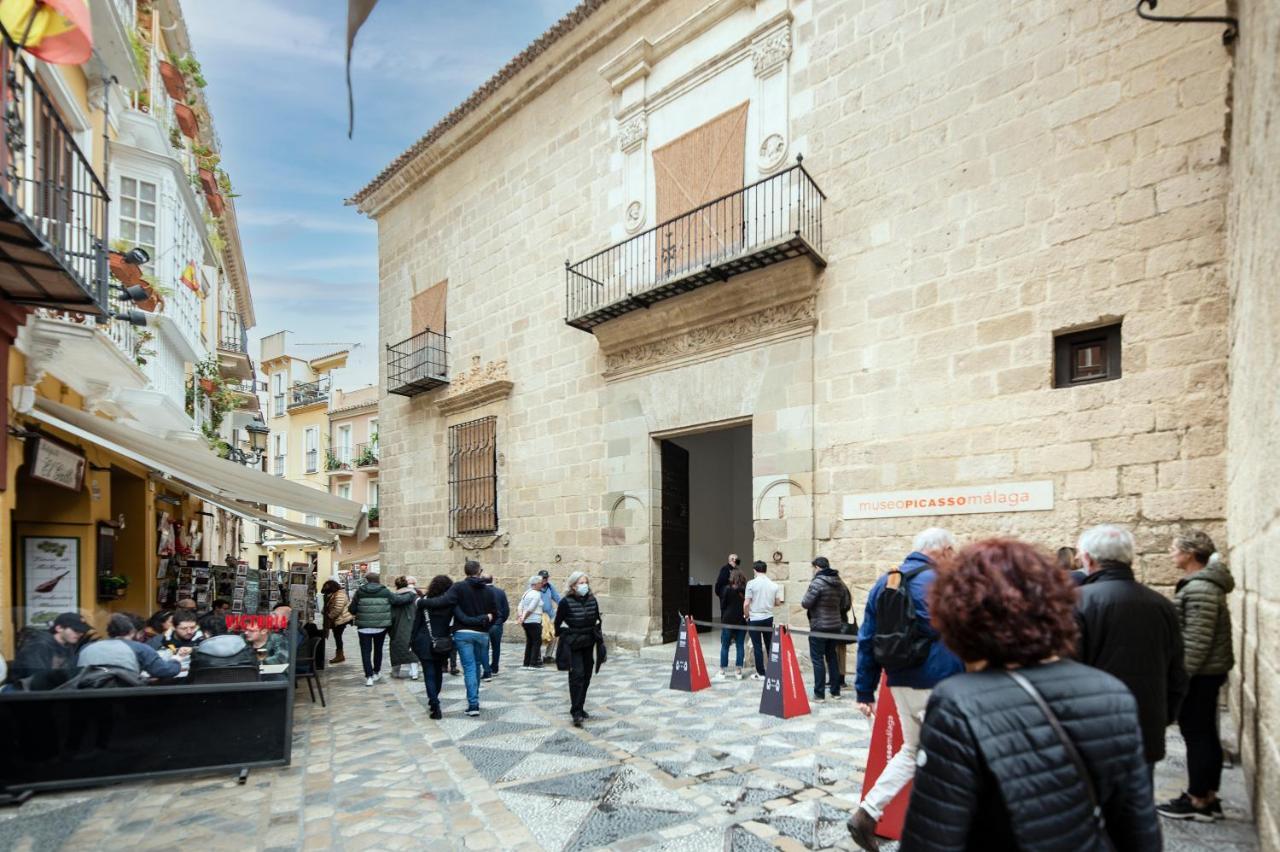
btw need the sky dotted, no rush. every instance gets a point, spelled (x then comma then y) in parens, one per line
(278, 97)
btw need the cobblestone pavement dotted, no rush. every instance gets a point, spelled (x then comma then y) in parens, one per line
(653, 769)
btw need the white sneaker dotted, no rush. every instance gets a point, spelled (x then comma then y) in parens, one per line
(377, 676)
(722, 675)
(835, 696)
(739, 674)
(368, 681)
(756, 676)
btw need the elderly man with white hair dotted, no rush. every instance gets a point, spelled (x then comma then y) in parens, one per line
(897, 637)
(1131, 632)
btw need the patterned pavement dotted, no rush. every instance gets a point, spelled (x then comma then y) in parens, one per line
(653, 769)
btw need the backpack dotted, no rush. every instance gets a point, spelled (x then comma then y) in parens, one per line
(900, 641)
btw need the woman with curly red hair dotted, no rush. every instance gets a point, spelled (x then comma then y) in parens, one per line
(1027, 749)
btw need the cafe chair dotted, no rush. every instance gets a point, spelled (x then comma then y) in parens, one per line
(304, 668)
(224, 674)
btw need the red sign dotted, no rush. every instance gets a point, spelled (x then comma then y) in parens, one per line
(688, 669)
(886, 740)
(237, 623)
(783, 695)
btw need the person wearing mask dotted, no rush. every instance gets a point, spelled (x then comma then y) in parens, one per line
(529, 616)
(826, 600)
(732, 598)
(722, 579)
(1028, 749)
(502, 611)
(1205, 618)
(580, 628)
(336, 617)
(760, 597)
(46, 657)
(897, 606)
(404, 663)
(122, 650)
(433, 627)
(473, 615)
(1130, 631)
(371, 608)
(550, 600)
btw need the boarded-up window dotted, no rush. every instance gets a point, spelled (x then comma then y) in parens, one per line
(700, 167)
(473, 477)
(427, 308)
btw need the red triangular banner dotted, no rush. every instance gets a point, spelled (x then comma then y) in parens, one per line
(688, 669)
(783, 694)
(886, 739)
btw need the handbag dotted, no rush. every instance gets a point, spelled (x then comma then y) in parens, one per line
(1072, 752)
(548, 630)
(441, 647)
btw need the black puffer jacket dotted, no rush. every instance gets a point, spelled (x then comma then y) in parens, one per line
(578, 619)
(826, 599)
(1132, 632)
(992, 774)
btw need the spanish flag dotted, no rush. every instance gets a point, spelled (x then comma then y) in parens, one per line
(188, 277)
(57, 31)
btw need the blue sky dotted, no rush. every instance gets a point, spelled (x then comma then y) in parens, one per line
(279, 102)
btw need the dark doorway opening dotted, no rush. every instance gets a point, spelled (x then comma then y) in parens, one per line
(675, 538)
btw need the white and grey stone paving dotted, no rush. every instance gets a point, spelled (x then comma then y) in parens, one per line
(652, 770)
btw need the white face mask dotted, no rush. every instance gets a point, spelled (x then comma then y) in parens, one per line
(583, 588)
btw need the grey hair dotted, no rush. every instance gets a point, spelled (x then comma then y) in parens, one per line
(934, 538)
(535, 580)
(573, 579)
(1107, 542)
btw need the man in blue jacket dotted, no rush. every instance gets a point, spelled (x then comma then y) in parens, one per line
(502, 608)
(910, 687)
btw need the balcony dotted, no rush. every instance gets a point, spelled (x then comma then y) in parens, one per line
(53, 207)
(233, 347)
(304, 394)
(768, 222)
(418, 364)
(245, 395)
(365, 455)
(337, 460)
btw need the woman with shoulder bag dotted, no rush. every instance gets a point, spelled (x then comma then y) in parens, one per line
(529, 616)
(336, 616)
(1027, 749)
(579, 628)
(432, 639)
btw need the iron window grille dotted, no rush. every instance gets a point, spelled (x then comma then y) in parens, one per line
(473, 477)
(1085, 357)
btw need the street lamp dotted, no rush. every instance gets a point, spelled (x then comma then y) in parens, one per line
(257, 446)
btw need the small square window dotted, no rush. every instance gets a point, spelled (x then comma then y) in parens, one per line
(1083, 357)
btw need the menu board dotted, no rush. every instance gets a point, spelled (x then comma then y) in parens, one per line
(51, 568)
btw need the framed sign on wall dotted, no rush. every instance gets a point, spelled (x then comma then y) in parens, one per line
(51, 577)
(56, 464)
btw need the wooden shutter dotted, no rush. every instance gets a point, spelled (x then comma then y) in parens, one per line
(697, 168)
(427, 308)
(473, 477)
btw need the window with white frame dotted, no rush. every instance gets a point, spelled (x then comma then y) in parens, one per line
(281, 448)
(277, 394)
(311, 446)
(373, 431)
(310, 520)
(343, 448)
(344, 491)
(373, 493)
(138, 216)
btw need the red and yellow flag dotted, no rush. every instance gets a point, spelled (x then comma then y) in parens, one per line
(58, 31)
(188, 277)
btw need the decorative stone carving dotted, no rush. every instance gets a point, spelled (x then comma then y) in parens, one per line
(711, 338)
(635, 216)
(768, 54)
(772, 151)
(477, 386)
(632, 132)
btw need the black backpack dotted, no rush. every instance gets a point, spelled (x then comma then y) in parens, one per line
(900, 641)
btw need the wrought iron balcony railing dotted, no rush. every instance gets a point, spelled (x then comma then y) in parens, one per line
(53, 206)
(232, 335)
(418, 364)
(365, 455)
(770, 221)
(309, 393)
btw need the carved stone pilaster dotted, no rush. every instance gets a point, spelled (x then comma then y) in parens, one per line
(632, 132)
(770, 52)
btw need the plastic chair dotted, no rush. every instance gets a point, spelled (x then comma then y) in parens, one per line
(304, 668)
(224, 674)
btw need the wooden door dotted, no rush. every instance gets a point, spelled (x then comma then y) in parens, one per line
(675, 538)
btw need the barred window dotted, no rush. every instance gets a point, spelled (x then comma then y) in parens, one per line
(473, 477)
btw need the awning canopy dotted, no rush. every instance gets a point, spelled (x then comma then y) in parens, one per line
(191, 464)
(305, 532)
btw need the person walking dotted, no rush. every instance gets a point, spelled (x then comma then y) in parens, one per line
(473, 615)
(826, 600)
(371, 607)
(1201, 601)
(336, 616)
(529, 616)
(432, 637)
(1029, 749)
(1130, 631)
(502, 611)
(732, 599)
(404, 663)
(898, 637)
(550, 600)
(760, 597)
(578, 624)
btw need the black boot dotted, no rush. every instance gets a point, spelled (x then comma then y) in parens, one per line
(435, 712)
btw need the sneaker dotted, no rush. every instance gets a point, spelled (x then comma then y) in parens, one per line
(436, 714)
(377, 676)
(486, 677)
(835, 696)
(1183, 808)
(368, 681)
(1215, 808)
(757, 676)
(473, 711)
(722, 675)
(739, 675)
(820, 699)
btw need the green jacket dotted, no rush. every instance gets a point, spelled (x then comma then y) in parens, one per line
(1206, 619)
(371, 606)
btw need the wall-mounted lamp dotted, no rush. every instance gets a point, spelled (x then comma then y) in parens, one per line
(1233, 24)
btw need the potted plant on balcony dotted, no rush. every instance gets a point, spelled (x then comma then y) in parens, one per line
(174, 83)
(373, 516)
(190, 68)
(368, 457)
(186, 115)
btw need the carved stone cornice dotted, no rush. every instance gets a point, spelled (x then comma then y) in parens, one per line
(771, 51)
(480, 385)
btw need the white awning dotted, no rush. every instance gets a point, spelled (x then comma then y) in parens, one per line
(305, 532)
(192, 464)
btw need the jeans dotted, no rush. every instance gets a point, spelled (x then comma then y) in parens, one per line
(473, 647)
(495, 650)
(729, 636)
(433, 677)
(581, 666)
(902, 767)
(826, 664)
(371, 646)
(1198, 722)
(532, 643)
(761, 643)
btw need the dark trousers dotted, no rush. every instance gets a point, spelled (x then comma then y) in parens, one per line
(825, 664)
(371, 651)
(495, 649)
(336, 630)
(433, 678)
(581, 665)
(761, 643)
(532, 643)
(1198, 721)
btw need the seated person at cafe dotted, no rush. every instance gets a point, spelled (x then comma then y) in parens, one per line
(220, 648)
(47, 658)
(222, 607)
(187, 604)
(270, 647)
(120, 650)
(158, 627)
(184, 636)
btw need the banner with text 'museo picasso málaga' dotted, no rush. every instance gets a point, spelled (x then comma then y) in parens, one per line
(956, 500)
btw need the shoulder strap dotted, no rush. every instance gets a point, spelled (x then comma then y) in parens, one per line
(1072, 752)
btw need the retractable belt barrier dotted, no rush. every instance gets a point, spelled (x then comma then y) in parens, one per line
(837, 636)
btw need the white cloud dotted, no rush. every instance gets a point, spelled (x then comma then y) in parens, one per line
(353, 224)
(365, 260)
